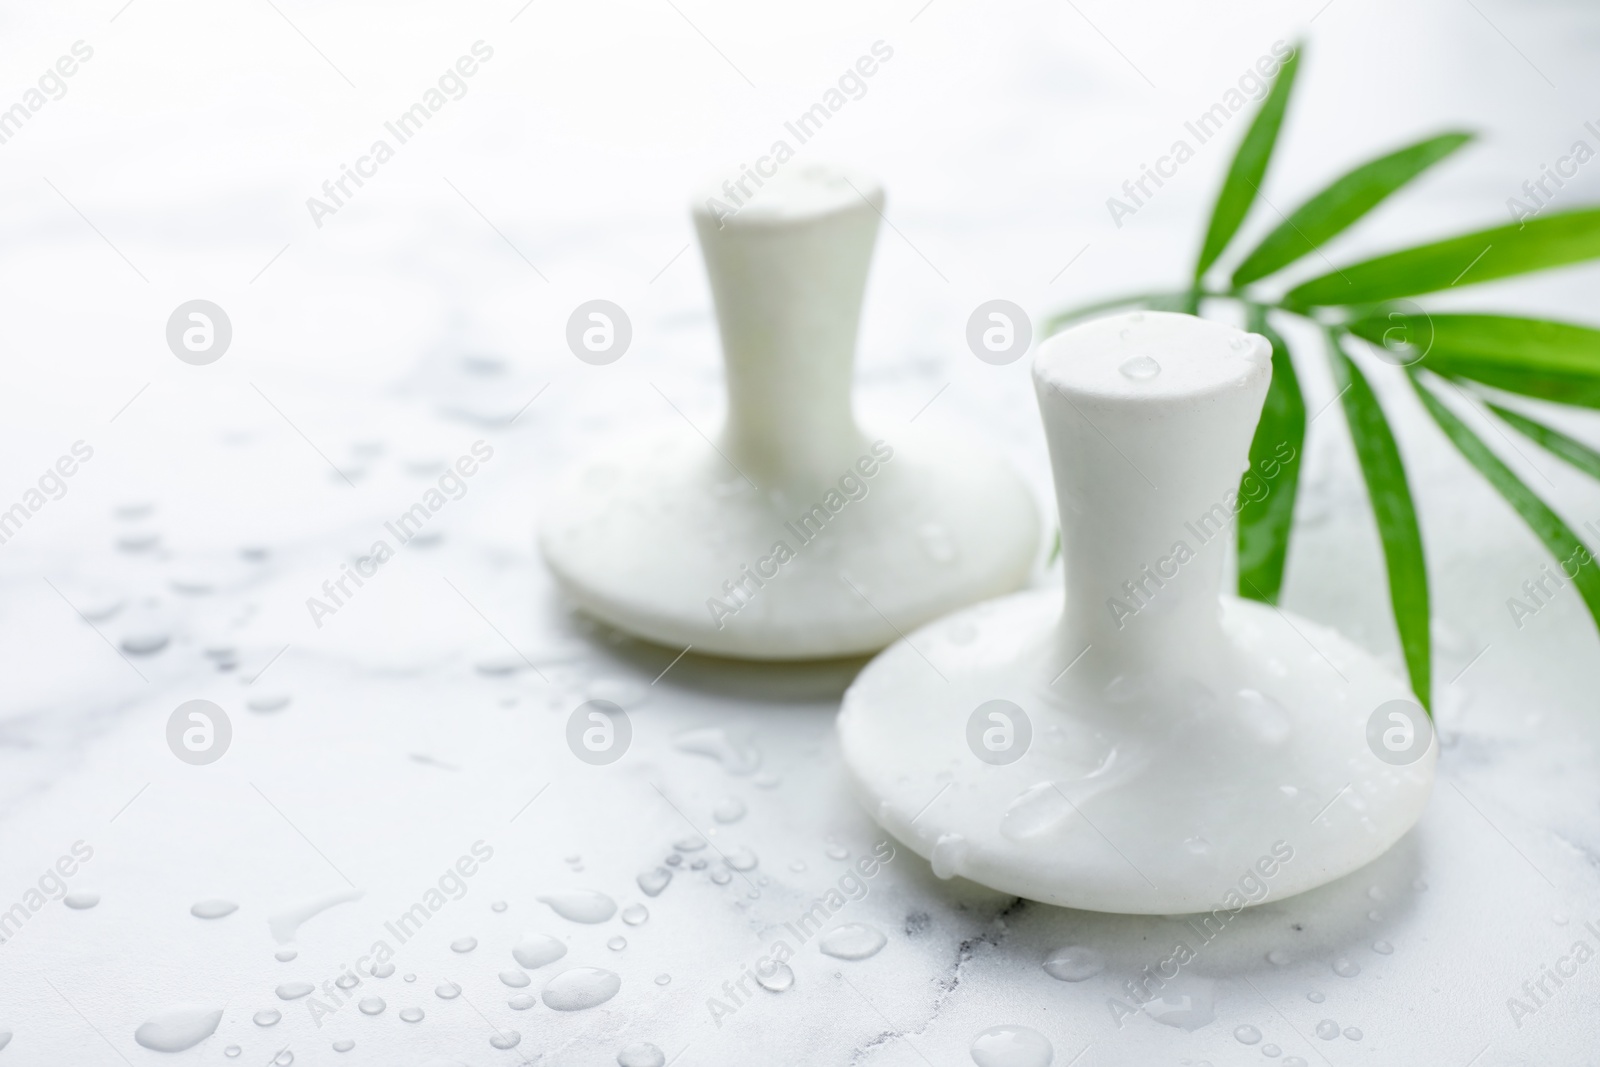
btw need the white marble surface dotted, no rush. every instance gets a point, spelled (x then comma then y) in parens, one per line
(408, 327)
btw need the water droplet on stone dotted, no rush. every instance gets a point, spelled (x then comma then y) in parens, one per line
(514, 979)
(776, 978)
(797, 866)
(1346, 968)
(411, 978)
(948, 854)
(411, 1015)
(177, 1028)
(81, 899)
(1011, 1046)
(643, 1054)
(145, 644)
(1278, 958)
(1197, 845)
(721, 877)
(285, 955)
(265, 705)
(1375, 916)
(347, 981)
(1375, 892)
(1074, 963)
(283, 1059)
(463, 944)
(372, 1005)
(713, 741)
(1293, 1061)
(617, 944)
(382, 970)
(837, 852)
(447, 991)
(728, 810)
(1187, 1002)
(213, 909)
(1383, 948)
(651, 883)
(673, 860)
(344, 1044)
(582, 906)
(1315, 997)
(536, 950)
(852, 941)
(580, 988)
(740, 859)
(1246, 1034)
(1140, 368)
(635, 914)
(504, 1039)
(1327, 1029)
(498, 905)
(231, 1051)
(267, 1017)
(1271, 1050)
(295, 990)
(663, 979)
(521, 1001)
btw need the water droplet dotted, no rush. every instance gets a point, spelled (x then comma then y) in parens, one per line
(948, 853)
(146, 644)
(268, 704)
(837, 852)
(295, 990)
(775, 978)
(283, 1059)
(267, 1017)
(372, 1005)
(698, 865)
(1346, 968)
(411, 978)
(1246, 1034)
(1353, 1033)
(536, 950)
(643, 1054)
(852, 941)
(582, 906)
(463, 944)
(1278, 958)
(81, 899)
(1140, 368)
(797, 865)
(285, 955)
(1187, 1002)
(1375, 916)
(1271, 1050)
(713, 741)
(580, 988)
(504, 1039)
(231, 1051)
(514, 979)
(728, 809)
(1315, 997)
(651, 883)
(1558, 918)
(521, 1001)
(635, 914)
(1375, 893)
(347, 981)
(1074, 963)
(178, 1028)
(720, 876)
(617, 944)
(382, 970)
(740, 859)
(411, 1015)
(447, 991)
(1011, 1046)
(690, 844)
(767, 780)
(1035, 812)
(213, 909)
(1383, 948)
(1197, 845)
(344, 1044)
(498, 905)
(1327, 1029)
(673, 860)
(663, 979)
(1293, 1061)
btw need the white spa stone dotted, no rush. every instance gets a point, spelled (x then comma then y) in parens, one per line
(1199, 751)
(654, 536)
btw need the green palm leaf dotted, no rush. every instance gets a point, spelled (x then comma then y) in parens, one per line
(1265, 520)
(1570, 552)
(1249, 167)
(1553, 441)
(1385, 475)
(1550, 241)
(1348, 198)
